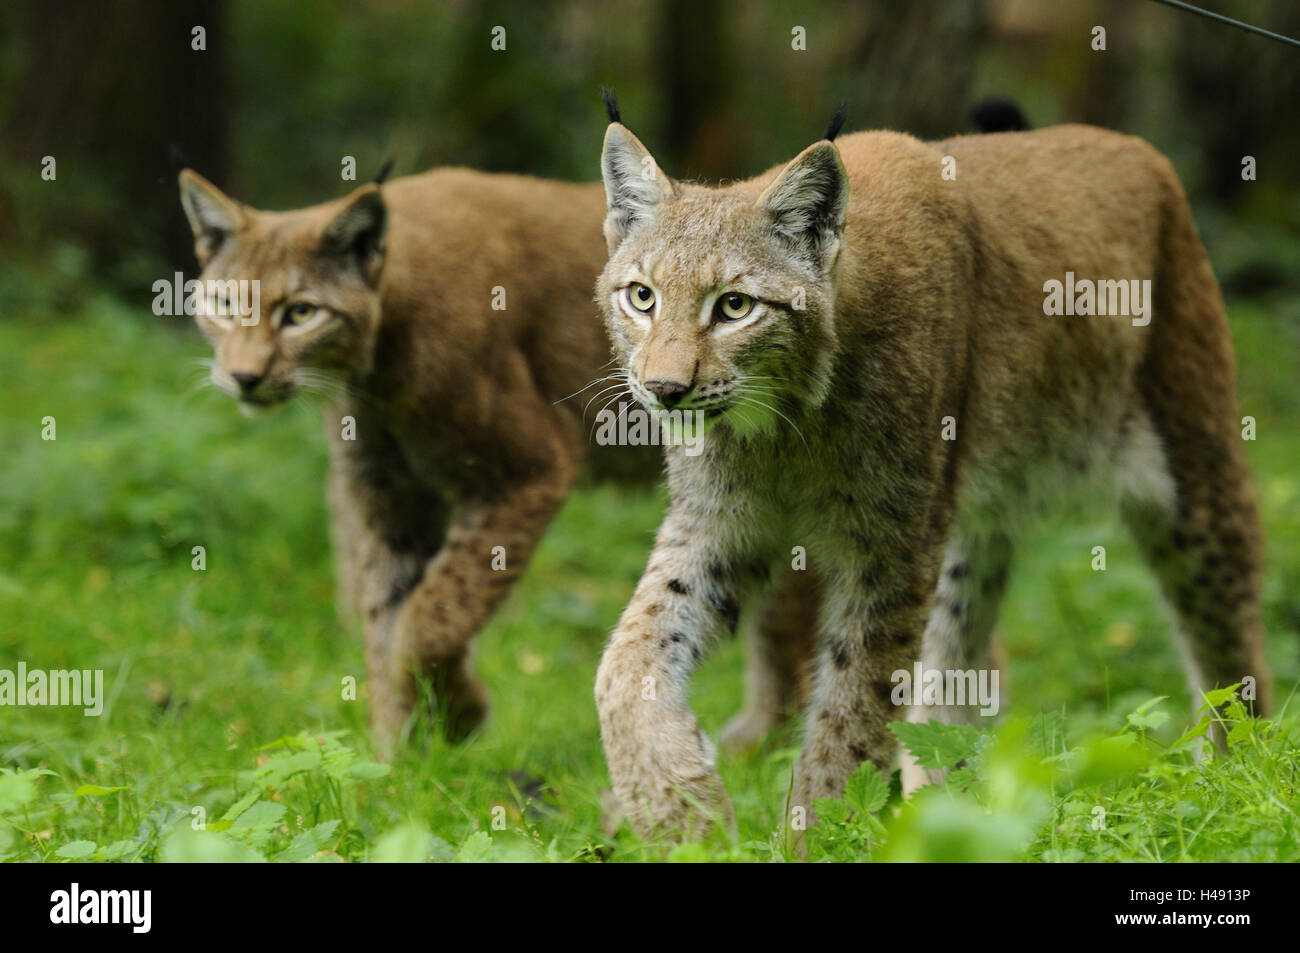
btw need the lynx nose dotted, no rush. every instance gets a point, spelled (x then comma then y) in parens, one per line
(668, 392)
(246, 381)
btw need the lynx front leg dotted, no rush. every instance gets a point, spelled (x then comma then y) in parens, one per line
(346, 536)
(487, 547)
(386, 527)
(868, 633)
(959, 635)
(387, 574)
(662, 765)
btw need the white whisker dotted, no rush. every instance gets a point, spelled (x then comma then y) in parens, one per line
(754, 401)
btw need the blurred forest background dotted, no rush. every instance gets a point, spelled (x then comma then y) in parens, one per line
(283, 90)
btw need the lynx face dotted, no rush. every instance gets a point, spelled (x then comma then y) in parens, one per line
(715, 300)
(317, 272)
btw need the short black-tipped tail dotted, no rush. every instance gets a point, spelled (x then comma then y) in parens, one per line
(611, 104)
(998, 114)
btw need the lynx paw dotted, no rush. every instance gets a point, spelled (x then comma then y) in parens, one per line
(669, 787)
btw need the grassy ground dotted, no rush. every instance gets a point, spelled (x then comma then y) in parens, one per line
(226, 686)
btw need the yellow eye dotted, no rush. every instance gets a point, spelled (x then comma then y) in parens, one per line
(298, 312)
(640, 298)
(733, 306)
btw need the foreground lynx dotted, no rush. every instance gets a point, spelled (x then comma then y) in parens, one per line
(450, 434)
(869, 338)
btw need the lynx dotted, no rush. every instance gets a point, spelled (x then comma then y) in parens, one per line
(865, 332)
(443, 318)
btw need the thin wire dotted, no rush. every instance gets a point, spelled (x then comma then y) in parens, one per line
(1179, 5)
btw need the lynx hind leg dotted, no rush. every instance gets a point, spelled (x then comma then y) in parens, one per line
(1203, 544)
(780, 650)
(958, 637)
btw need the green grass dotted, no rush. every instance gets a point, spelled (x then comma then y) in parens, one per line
(205, 670)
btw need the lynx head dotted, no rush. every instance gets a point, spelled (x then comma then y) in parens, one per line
(317, 272)
(721, 299)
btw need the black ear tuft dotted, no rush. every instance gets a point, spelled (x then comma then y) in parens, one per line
(837, 122)
(611, 104)
(385, 170)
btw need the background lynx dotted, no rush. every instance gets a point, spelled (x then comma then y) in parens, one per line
(444, 318)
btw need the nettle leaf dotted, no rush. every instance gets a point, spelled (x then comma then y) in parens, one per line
(831, 810)
(307, 843)
(17, 787)
(1192, 735)
(1220, 696)
(961, 779)
(936, 745)
(77, 850)
(867, 791)
(15, 791)
(240, 806)
(117, 850)
(283, 766)
(1147, 716)
(1239, 732)
(477, 849)
(441, 852)
(261, 816)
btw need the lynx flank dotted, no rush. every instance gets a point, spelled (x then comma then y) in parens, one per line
(868, 338)
(461, 439)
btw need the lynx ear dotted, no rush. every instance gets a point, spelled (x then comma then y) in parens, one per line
(808, 200)
(359, 231)
(213, 216)
(634, 184)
